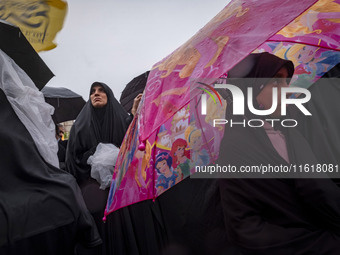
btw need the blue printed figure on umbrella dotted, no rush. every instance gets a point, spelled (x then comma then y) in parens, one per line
(168, 177)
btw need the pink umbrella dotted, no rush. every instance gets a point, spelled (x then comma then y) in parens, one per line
(169, 136)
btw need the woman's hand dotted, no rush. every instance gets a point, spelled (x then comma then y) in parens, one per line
(136, 102)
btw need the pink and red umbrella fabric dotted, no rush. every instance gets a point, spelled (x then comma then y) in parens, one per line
(169, 137)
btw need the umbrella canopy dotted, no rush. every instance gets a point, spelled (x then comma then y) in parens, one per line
(132, 89)
(16, 46)
(169, 119)
(67, 104)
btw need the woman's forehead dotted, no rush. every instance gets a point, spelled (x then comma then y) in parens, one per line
(282, 73)
(97, 86)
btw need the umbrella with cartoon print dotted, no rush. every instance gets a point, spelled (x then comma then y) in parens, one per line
(171, 105)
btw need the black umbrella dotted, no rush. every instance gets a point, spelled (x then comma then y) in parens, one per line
(67, 103)
(16, 46)
(132, 89)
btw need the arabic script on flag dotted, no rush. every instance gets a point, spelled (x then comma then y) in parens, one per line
(39, 20)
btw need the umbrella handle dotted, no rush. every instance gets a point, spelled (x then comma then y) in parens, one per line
(142, 145)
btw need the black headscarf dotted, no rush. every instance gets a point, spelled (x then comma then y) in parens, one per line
(37, 199)
(94, 126)
(276, 215)
(260, 65)
(322, 128)
(255, 71)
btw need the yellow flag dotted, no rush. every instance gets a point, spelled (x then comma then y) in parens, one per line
(39, 20)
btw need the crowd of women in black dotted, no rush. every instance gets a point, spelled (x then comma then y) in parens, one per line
(196, 216)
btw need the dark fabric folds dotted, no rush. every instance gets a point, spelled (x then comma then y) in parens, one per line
(36, 199)
(193, 218)
(322, 128)
(136, 230)
(279, 215)
(187, 219)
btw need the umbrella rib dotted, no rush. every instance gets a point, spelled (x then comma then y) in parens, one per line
(305, 43)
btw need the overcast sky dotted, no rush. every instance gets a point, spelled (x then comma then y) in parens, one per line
(113, 41)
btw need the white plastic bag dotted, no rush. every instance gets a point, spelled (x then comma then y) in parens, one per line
(102, 163)
(30, 107)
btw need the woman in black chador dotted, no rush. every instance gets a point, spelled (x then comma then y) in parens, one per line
(276, 215)
(42, 210)
(102, 120)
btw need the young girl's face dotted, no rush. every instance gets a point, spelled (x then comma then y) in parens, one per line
(162, 167)
(180, 151)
